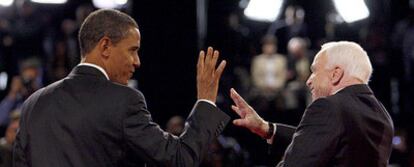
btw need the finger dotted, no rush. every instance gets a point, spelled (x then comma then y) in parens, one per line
(209, 56)
(239, 122)
(200, 64)
(233, 97)
(215, 58)
(237, 110)
(220, 70)
(239, 101)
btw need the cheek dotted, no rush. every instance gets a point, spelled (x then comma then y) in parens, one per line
(320, 83)
(324, 86)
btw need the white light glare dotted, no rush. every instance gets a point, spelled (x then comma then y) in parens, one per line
(351, 10)
(6, 3)
(263, 10)
(50, 1)
(3, 80)
(109, 4)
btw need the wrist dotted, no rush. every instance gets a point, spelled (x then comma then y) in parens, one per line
(263, 129)
(206, 98)
(270, 130)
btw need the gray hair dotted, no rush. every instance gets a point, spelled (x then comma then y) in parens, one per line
(351, 56)
(104, 22)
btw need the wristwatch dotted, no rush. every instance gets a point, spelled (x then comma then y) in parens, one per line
(270, 131)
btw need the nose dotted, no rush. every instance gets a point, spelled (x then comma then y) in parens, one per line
(309, 81)
(137, 61)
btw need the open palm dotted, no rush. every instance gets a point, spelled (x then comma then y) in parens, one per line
(248, 116)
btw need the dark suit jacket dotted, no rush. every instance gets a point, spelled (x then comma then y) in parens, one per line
(86, 120)
(348, 129)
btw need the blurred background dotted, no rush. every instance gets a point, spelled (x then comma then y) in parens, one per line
(268, 44)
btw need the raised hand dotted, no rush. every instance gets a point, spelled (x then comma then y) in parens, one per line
(248, 116)
(208, 75)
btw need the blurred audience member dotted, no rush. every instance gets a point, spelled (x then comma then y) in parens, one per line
(400, 154)
(377, 48)
(6, 142)
(298, 60)
(59, 63)
(21, 87)
(27, 32)
(175, 125)
(269, 69)
(403, 49)
(296, 93)
(82, 12)
(292, 26)
(269, 74)
(226, 152)
(403, 44)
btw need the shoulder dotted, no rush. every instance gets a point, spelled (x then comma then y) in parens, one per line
(322, 111)
(322, 104)
(257, 58)
(33, 98)
(128, 92)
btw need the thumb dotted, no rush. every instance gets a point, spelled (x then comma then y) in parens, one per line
(239, 122)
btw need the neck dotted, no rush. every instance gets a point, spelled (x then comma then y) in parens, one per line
(92, 59)
(345, 83)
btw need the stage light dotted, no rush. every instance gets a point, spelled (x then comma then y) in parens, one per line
(120, 2)
(109, 3)
(263, 10)
(50, 1)
(6, 3)
(3, 80)
(351, 10)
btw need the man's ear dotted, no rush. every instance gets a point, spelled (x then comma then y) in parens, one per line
(105, 46)
(337, 75)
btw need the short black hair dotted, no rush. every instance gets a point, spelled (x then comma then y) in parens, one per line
(104, 22)
(269, 39)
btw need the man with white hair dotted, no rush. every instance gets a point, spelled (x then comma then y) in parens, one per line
(344, 126)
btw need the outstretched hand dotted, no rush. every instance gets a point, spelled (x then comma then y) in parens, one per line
(248, 116)
(208, 75)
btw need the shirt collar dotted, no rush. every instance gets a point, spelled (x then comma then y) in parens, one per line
(95, 66)
(338, 90)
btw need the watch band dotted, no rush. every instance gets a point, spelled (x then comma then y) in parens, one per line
(269, 133)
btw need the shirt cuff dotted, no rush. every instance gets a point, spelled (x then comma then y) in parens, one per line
(208, 101)
(270, 140)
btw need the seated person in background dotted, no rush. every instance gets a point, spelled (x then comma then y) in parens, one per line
(6, 142)
(22, 86)
(269, 69)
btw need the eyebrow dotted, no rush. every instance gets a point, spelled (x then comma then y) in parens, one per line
(312, 68)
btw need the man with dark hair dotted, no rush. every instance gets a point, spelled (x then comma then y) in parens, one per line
(90, 118)
(108, 23)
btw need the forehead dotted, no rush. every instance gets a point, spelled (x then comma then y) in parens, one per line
(319, 58)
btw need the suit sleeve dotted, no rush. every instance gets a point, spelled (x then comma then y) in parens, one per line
(316, 138)
(281, 139)
(148, 141)
(21, 151)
